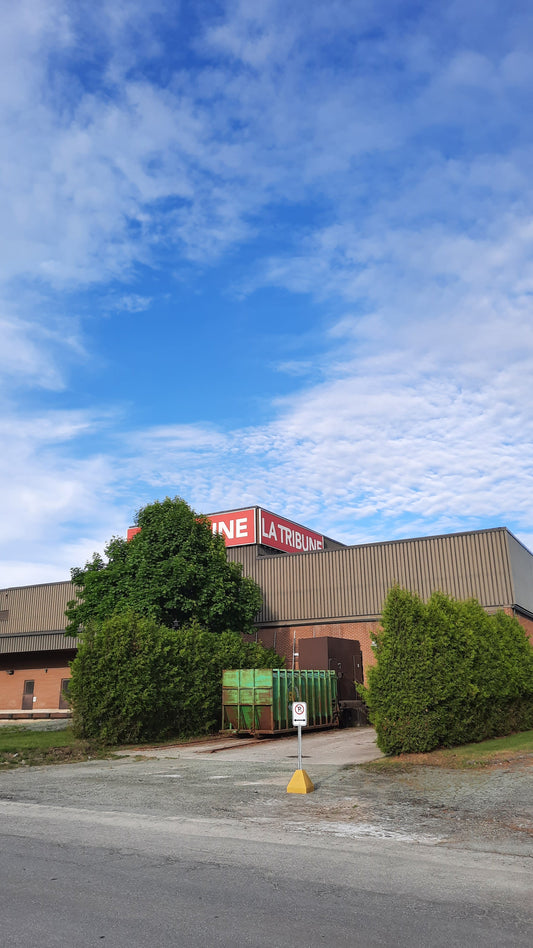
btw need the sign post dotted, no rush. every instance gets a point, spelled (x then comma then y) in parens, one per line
(300, 781)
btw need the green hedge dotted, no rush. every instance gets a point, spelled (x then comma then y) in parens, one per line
(134, 680)
(447, 673)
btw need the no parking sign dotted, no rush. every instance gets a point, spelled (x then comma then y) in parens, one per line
(300, 781)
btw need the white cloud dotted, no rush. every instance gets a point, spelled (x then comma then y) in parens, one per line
(35, 350)
(85, 172)
(295, 367)
(23, 357)
(430, 451)
(133, 303)
(89, 170)
(383, 450)
(396, 177)
(51, 498)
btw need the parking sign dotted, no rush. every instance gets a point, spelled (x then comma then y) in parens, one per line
(299, 714)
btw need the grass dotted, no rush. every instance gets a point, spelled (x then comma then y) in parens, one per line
(22, 738)
(20, 746)
(513, 743)
(514, 749)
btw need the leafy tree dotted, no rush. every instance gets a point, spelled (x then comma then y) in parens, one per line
(135, 680)
(447, 673)
(173, 571)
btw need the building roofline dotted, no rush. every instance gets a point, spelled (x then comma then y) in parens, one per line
(437, 536)
(58, 582)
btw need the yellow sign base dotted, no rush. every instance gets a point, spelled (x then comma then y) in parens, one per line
(300, 782)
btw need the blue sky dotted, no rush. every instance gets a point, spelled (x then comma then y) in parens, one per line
(264, 253)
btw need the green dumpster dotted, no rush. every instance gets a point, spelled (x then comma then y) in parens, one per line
(259, 700)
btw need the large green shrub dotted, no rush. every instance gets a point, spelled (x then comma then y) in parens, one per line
(447, 673)
(175, 570)
(134, 680)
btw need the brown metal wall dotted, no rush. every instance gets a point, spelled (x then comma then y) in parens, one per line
(36, 642)
(336, 584)
(34, 608)
(354, 581)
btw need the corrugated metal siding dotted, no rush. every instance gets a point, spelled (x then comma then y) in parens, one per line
(338, 584)
(35, 608)
(353, 582)
(38, 642)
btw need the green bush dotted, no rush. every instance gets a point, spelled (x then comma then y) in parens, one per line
(447, 673)
(201, 658)
(134, 680)
(175, 570)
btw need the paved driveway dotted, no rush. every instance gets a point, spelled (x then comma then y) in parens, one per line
(319, 748)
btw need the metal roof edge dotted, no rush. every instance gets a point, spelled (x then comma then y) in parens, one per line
(57, 582)
(25, 635)
(35, 642)
(375, 543)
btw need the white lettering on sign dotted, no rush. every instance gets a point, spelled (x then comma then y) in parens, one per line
(232, 529)
(236, 526)
(283, 535)
(239, 527)
(226, 529)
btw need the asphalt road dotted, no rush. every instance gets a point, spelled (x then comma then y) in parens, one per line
(189, 847)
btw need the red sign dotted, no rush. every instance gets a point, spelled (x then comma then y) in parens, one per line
(284, 535)
(236, 526)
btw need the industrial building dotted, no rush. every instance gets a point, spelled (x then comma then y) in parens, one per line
(312, 587)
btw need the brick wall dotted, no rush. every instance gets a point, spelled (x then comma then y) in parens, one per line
(525, 622)
(281, 637)
(45, 670)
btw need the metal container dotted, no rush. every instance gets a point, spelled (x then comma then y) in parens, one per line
(259, 700)
(343, 656)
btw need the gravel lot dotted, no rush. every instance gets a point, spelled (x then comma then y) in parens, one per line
(488, 810)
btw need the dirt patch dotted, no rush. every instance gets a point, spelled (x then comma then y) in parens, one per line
(489, 806)
(54, 755)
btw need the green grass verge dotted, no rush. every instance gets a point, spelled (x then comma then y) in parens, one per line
(22, 738)
(497, 745)
(513, 749)
(20, 746)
